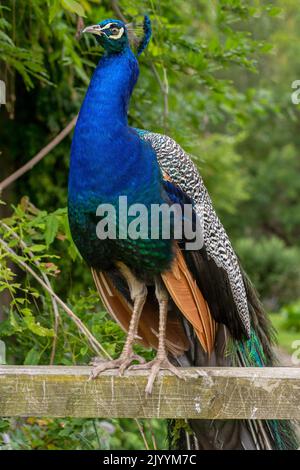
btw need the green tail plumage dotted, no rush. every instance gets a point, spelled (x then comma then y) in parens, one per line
(257, 351)
(251, 354)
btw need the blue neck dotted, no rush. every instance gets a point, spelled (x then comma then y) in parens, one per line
(101, 142)
(108, 158)
(110, 89)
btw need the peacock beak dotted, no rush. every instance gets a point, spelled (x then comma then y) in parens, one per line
(94, 29)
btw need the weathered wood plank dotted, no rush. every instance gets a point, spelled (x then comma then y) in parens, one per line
(218, 393)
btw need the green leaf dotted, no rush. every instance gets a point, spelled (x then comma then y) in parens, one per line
(273, 11)
(32, 357)
(33, 326)
(4, 424)
(35, 248)
(73, 7)
(14, 323)
(84, 350)
(6, 38)
(54, 8)
(6, 329)
(51, 229)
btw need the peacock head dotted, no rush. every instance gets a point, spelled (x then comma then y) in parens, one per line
(111, 34)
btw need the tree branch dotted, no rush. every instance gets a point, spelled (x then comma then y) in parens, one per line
(115, 7)
(164, 87)
(39, 156)
(96, 346)
(46, 279)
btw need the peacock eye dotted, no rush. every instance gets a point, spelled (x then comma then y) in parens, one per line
(114, 30)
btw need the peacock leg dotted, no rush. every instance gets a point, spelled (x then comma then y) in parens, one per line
(161, 360)
(138, 293)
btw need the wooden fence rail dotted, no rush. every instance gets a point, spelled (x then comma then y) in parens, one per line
(215, 393)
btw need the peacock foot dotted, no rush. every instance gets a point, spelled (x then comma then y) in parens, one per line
(122, 363)
(157, 364)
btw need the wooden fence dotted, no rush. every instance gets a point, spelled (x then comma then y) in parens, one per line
(214, 393)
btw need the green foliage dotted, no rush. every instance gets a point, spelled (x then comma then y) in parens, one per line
(219, 164)
(291, 317)
(79, 434)
(28, 63)
(273, 267)
(270, 150)
(286, 338)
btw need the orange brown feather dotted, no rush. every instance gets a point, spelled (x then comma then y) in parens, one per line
(186, 294)
(187, 297)
(121, 310)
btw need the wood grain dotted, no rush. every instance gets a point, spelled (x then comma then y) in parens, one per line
(214, 393)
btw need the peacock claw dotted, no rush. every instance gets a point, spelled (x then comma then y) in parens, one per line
(157, 364)
(122, 363)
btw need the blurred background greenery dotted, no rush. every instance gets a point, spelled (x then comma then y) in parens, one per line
(216, 77)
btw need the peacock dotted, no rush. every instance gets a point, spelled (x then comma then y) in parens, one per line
(195, 307)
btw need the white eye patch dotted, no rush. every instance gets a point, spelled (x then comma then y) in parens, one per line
(117, 36)
(96, 29)
(107, 26)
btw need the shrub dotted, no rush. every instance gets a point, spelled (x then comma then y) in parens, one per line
(273, 267)
(291, 317)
